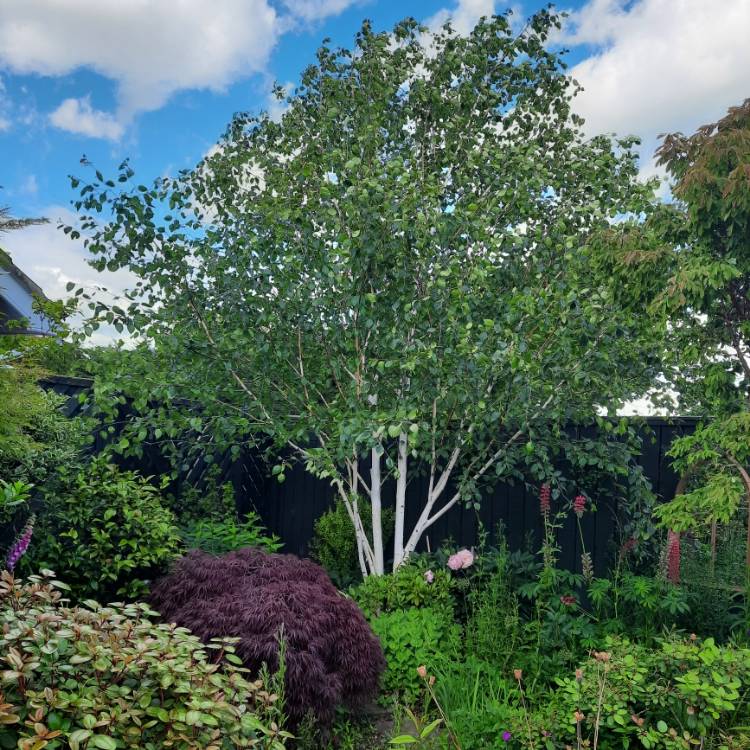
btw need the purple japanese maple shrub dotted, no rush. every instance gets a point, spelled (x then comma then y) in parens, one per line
(332, 656)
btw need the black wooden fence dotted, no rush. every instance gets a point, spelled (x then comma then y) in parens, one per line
(291, 508)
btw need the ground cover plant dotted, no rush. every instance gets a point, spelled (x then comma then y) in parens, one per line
(86, 677)
(332, 657)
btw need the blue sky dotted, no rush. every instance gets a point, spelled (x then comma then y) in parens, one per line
(38, 150)
(158, 80)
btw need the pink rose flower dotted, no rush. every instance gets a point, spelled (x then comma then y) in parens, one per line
(462, 559)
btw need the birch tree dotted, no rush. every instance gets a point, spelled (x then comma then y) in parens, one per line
(391, 279)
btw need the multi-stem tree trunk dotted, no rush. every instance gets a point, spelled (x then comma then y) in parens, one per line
(377, 505)
(402, 464)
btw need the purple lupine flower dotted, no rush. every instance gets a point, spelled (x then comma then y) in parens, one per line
(19, 547)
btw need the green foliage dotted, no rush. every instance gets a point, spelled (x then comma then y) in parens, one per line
(687, 266)
(478, 699)
(637, 604)
(218, 537)
(680, 694)
(106, 530)
(407, 587)
(717, 500)
(714, 455)
(349, 732)
(35, 437)
(12, 495)
(334, 544)
(422, 729)
(208, 500)
(410, 638)
(713, 577)
(431, 276)
(494, 627)
(108, 677)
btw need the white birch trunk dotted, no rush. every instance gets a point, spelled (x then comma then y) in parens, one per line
(360, 533)
(398, 540)
(364, 551)
(377, 525)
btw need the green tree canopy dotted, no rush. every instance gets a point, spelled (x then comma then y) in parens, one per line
(394, 275)
(688, 265)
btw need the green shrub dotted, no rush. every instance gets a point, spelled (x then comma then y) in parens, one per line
(36, 438)
(334, 544)
(407, 587)
(106, 531)
(107, 677)
(636, 604)
(411, 638)
(218, 537)
(681, 694)
(207, 501)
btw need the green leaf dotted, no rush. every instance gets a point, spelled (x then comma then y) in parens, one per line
(430, 728)
(77, 737)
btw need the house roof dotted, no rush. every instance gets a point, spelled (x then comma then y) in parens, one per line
(7, 264)
(17, 294)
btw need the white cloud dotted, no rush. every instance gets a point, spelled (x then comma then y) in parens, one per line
(314, 10)
(150, 48)
(78, 116)
(463, 16)
(660, 65)
(52, 259)
(29, 186)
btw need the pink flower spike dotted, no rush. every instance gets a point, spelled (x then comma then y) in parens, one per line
(579, 505)
(429, 576)
(19, 547)
(544, 499)
(673, 556)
